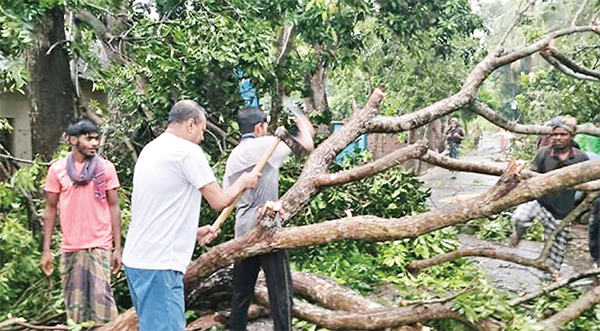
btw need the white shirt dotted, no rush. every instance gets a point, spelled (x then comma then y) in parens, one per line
(165, 206)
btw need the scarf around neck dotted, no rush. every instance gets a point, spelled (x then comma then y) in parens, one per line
(92, 170)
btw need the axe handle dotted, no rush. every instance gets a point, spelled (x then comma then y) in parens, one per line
(257, 168)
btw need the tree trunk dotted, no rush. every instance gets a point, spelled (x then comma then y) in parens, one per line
(317, 85)
(51, 90)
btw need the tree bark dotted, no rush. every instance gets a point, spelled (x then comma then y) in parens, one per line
(316, 82)
(508, 192)
(554, 286)
(375, 320)
(499, 253)
(587, 301)
(51, 91)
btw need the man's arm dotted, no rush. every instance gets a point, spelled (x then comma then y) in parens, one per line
(220, 199)
(112, 196)
(47, 261)
(305, 133)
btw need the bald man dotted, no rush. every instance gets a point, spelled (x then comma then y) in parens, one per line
(170, 178)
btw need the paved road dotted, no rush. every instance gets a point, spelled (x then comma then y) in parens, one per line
(506, 275)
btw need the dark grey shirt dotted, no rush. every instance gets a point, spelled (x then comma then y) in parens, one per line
(242, 159)
(560, 203)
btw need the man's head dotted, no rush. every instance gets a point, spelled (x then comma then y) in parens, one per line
(597, 122)
(187, 119)
(84, 138)
(453, 122)
(563, 129)
(252, 120)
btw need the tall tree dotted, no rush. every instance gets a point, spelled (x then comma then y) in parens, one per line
(50, 90)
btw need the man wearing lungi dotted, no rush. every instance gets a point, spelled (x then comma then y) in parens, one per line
(550, 209)
(84, 186)
(170, 178)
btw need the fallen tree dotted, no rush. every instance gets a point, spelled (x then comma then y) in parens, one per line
(510, 190)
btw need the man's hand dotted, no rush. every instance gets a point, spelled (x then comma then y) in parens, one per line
(47, 263)
(116, 261)
(249, 179)
(206, 234)
(270, 207)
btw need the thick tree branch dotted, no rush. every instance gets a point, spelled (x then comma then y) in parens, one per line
(389, 161)
(95, 23)
(374, 320)
(330, 294)
(554, 286)
(507, 192)
(489, 114)
(565, 69)
(497, 169)
(493, 252)
(570, 63)
(541, 44)
(469, 89)
(585, 302)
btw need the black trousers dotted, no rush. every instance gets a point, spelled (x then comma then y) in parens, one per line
(279, 283)
(594, 232)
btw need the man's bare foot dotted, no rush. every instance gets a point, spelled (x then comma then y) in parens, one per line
(514, 240)
(556, 275)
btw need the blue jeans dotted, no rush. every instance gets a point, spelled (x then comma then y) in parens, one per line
(157, 296)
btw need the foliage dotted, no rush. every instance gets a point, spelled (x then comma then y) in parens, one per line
(357, 264)
(523, 148)
(23, 289)
(561, 299)
(495, 228)
(304, 325)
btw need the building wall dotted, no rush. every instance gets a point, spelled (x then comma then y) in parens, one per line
(15, 107)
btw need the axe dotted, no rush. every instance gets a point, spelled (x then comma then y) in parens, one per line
(281, 134)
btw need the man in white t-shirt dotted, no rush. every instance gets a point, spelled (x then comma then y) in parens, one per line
(170, 178)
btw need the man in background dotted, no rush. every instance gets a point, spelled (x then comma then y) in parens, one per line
(550, 209)
(84, 185)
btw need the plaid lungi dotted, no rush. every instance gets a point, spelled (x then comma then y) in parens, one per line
(85, 277)
(523, 218)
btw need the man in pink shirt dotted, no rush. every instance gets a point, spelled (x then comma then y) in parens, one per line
(84, 186)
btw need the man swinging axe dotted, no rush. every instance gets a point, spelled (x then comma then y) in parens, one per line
(255, 142)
